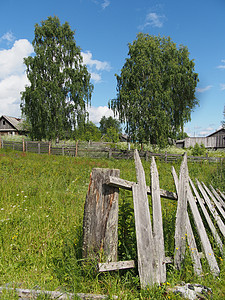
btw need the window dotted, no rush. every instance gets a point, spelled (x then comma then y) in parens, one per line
(3, 122)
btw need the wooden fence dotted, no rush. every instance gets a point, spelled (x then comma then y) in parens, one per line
(96, 150)
(207, 208)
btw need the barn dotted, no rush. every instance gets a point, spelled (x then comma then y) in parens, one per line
(11, 126)
(215, 140)
(219, 136)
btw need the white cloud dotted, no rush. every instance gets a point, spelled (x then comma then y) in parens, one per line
(99, 65)
(11, 60)
(223, 65)
(222, 86)
(12, 76)
(8, 36)
(96, 113)
(95, 66)
(153, 20)
(202, 90)
(105, 4)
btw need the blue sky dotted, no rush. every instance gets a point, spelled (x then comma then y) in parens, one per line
(103, 29)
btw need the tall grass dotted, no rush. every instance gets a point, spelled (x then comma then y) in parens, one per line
(41, 211)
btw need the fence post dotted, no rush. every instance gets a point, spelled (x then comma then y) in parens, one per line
(76, 148)
(26, 147)
(166, 156)
(23, 146)
(110, 152)
(100, 222)
(146, 155)
(63, 151)
(0, 142)
(49, 148)
(39, 148)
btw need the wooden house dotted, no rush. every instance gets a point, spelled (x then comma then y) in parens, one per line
(11, 126)
(215, 140)
(219, 136)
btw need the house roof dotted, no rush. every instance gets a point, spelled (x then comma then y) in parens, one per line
(221, 129)
(15, 122)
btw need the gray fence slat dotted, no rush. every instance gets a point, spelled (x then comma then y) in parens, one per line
(190, 236)
(218, 205)
(144, 236)
(181, 215)
(157, 223)
(207, 217)
(212, 208)
(218, 196)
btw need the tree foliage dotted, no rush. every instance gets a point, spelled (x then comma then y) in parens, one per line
(87, 131)
(110, 122)
(110, 129)
(156, 89)
(60, 88)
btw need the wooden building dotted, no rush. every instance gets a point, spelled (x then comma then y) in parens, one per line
(215, 140)
(219, 136)
(11, 126)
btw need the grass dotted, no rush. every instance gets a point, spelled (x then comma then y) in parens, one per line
(41, 212)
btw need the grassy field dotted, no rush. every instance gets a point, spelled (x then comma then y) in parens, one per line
(41, 212)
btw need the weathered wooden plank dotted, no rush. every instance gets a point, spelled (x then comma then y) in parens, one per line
(100, 221)
(127, 185)
(157, 224)
(190, 236)
(27, 294)
(181, 215)
(144, 236)
(119, 265)
(203, 235)
(217, 203)
(222, 195)
(212, 209)
(218, 196)
(207, 217)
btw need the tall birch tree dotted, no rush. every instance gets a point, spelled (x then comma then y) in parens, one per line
(155, 90)
(60, 89)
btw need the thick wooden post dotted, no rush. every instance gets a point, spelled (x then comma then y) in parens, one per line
(100, 223)
(0, 142)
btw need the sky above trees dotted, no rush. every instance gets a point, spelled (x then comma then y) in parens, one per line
(103, 29)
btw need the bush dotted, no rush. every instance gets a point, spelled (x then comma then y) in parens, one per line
(198, 150)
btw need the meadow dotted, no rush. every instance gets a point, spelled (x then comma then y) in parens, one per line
(41, 214)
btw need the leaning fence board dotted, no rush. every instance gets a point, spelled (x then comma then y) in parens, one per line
(218, 196)
(212, 208)
(218, 205)
(144, 236)
(222, 195)
(100, 221)
(203, 235)
(181, 215)
(207, 217)
(157, 224)
(119, 265)
(190, 236)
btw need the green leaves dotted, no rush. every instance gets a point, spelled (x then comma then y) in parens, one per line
(60, 87)
(156, 89)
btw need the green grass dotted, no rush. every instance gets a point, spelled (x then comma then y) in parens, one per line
(41, 211)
